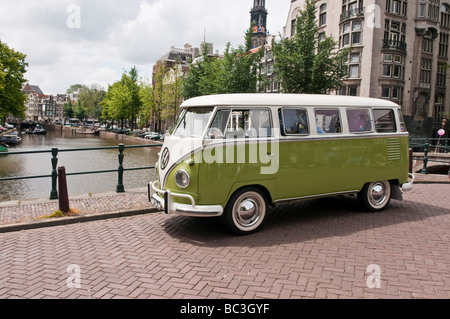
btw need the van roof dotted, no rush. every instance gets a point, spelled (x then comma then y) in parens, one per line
(272, 99)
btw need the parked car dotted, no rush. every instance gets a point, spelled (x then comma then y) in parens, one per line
(2, 129)
(8, 125)
(152, 136)
(121, 130)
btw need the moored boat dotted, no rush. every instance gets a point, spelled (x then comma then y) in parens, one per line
(3, 148)
(38, 130)
(10, 139)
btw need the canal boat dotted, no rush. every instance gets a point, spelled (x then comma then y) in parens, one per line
(3, 148)
(10, 139)
(38, 130)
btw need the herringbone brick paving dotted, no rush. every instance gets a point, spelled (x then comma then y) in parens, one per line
(314, 249)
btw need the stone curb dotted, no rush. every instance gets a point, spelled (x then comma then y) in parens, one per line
(75, 220)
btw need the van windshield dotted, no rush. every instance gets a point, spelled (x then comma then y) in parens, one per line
(193, 122)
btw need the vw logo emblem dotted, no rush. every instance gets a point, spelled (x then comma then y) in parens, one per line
(165, 158)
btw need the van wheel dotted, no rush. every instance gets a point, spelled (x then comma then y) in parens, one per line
(245, 211)
(375, 196)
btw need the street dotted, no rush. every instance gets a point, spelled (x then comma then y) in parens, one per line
(323, 248)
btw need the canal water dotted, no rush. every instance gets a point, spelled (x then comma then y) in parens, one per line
(82, 161)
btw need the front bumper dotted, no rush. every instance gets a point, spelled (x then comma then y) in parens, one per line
(163, 200)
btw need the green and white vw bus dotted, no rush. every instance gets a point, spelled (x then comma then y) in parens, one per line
(234, 155)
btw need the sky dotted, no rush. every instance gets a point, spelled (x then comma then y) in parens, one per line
(94, 41)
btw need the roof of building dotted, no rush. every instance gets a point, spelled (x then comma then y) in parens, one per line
(33, 89)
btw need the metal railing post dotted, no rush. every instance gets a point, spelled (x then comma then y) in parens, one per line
(54, 192)
(425, 159)
(120, 188)
(411, 155)
(63, 192)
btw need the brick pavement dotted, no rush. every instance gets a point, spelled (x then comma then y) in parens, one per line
(314, 249)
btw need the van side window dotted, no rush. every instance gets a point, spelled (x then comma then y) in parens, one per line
(243, 123)
(359, 120)
(328, 121)
(295, 121)
(384, 121)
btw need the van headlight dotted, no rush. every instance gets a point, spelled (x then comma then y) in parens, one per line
(182, 179)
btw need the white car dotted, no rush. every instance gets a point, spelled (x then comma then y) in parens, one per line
(8, 125)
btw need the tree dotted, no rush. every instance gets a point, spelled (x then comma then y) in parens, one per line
(80, 111)
(91, 97)
(237, 72)
(116, 102)
(12, 71)
(305, 63)
(68, 109)
(122, 101)
(148, 102)
(135, 104)
(205, 76)
(242, 67)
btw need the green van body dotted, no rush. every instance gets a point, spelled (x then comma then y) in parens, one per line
(297, 166)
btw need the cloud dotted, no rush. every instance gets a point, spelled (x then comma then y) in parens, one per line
(114, 35)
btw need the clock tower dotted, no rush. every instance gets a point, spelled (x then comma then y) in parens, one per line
(259, 23)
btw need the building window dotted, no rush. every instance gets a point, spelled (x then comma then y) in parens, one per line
(351, 34)
(353, 68)
(427, 45)
(422, 9)
(386, 92)
(323, 15)
(387, 70)
(438, 108)
(433, 10)
(352, 90)
(394, 34)
(399, 7)
(443, 45)
(429, 9)
(352, 7)
(445, 16)
(441, 75)
(354, 71)
(425, 70)
(393, 66)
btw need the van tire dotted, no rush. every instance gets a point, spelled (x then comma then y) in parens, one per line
(375, 196)
(245, 211)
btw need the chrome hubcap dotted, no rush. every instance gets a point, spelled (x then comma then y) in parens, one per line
(378, 193)
(248, 210)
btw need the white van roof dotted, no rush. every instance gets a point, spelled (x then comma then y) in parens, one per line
(272, 99)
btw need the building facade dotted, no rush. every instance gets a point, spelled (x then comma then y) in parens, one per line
(399, 51)
(42, 107)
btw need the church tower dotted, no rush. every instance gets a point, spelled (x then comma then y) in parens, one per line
(259, 21)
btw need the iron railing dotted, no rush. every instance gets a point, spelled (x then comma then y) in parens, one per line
(54, 160)
(429, 146)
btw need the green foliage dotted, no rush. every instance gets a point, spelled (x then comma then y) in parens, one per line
(80, 111)
(12, 70)
(306, 64)
(148, 102)
(122, 101)
(68, 109)
(238, 72)
(90, 98)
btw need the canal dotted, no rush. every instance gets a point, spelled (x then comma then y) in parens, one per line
(40, 164)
